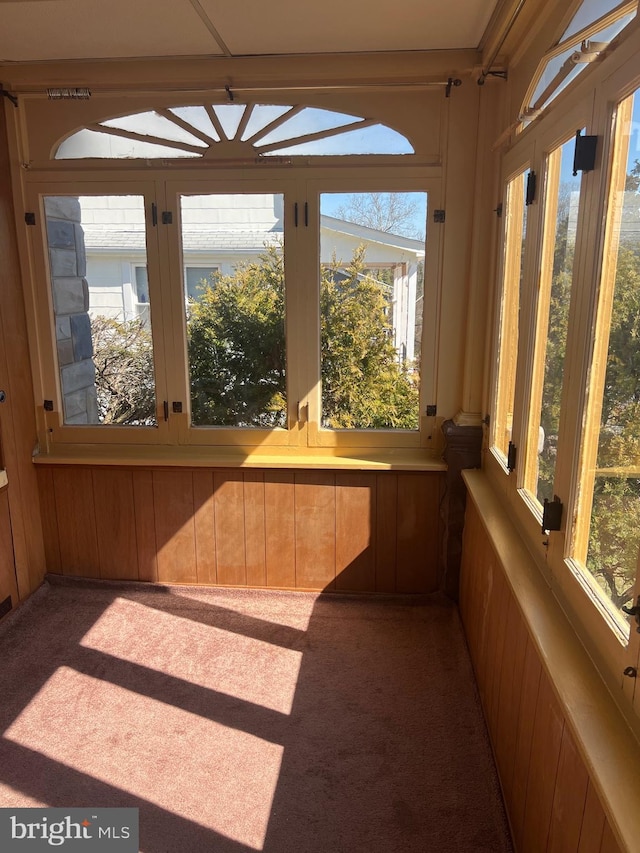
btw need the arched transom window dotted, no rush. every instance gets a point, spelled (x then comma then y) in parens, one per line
(233, 130)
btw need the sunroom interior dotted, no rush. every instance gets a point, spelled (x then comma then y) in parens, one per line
(341, 304)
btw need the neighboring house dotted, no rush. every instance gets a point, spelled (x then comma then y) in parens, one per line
(216, 237)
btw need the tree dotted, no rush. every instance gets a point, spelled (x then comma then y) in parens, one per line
(236, 344)
(123, 359)
(394, 213)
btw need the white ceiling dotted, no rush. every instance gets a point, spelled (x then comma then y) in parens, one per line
(48, 30)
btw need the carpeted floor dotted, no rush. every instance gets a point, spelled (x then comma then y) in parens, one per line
(249, 720)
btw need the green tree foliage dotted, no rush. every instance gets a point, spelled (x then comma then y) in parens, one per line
(363, 384)
(614, 536)
(123, 359)
(236, 344)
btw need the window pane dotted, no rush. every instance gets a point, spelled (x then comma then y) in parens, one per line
(515, 223)
(97, 261)
(609, 500)
(371, 282)
(235, 313)
(561, 216)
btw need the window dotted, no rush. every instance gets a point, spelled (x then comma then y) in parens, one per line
(562, 203)
(606, 539)
(104, 342)
(595, 24)
(515, 211)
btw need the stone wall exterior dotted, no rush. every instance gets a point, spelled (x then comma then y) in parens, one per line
(68, 266)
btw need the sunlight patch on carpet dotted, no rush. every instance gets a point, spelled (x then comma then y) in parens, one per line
(206, 655)
(213, 775)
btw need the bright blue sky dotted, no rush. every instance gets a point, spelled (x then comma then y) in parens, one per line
(330, 202)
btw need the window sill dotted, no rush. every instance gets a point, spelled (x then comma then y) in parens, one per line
(363, 459)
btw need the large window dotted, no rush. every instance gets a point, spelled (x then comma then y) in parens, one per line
(607, 532)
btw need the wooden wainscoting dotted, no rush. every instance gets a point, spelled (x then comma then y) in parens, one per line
(554, 803)
(284, 529)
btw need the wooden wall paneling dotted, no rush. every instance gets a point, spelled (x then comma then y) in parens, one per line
(175, 528)
(279, 517)
(417, 568)
(495, 646)
(315, 516)
(49, 517)
(8, 580)
(593, 821)
(509, 700)
(543, 767)
(531, 676)
(483, 609)
(254, 525)
(115, 524)
(569, 798)
(204, 521)
(228, 490)
(18, 434)
(609, 843)
(142, 482)
(73, 488)
(355, 531)
(386, 531)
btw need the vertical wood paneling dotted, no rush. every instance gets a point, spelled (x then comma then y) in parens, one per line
(73, 488)
(254, 525)
(355, 525)
(315, 529)
(8, 582)
(49, 520)
(496, 615)
(509, 702)
(230, 533)
(115, 524)
(280, 537)
(593, 821)
(145, 525)
(526, 718)
(386, 531)
(609, 843)
(418, 526)
(204, 521)
(175, 528)
(569, 798)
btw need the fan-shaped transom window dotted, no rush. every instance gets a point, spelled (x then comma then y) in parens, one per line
(233, 130)
(593, 27)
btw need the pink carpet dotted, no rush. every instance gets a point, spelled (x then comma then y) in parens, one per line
(250, 720)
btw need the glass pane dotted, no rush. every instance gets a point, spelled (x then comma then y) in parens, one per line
(309, 120)
(588, 12)
(261, 116)
(92, 143)
(98, 273)
(373, 139)
(556, 274)
(611, 461)
(235, 314)
(198, 118)
(515, 223)
(371, 282)
(230, 116)
(152, 124)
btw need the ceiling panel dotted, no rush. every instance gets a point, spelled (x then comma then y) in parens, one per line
(36, 30)
(329, 26)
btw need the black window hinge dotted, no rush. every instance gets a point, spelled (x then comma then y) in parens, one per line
(48, 405)
(551, 514)
(176, 407)
(439, 215)
(30, 218)
(530, 194)
(498, 210)
(167, 217)
(154, 213)
(512, 454)
(432, 410)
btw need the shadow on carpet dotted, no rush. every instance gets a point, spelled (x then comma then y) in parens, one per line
(240, 720)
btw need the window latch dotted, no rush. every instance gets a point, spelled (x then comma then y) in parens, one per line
(635, 612)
